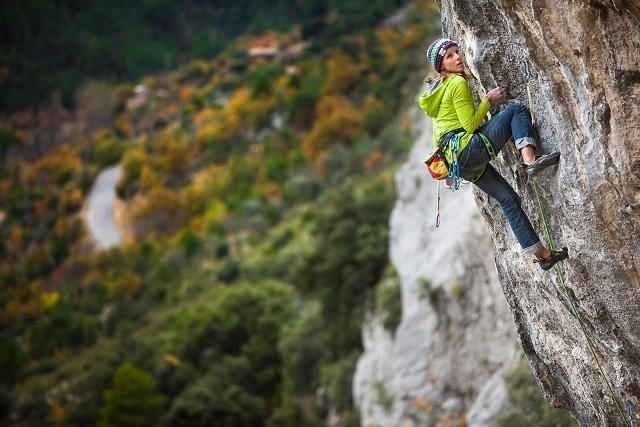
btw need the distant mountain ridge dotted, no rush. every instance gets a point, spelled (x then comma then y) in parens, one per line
(48, 47)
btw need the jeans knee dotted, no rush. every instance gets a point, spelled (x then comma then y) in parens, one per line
(510, 201)
(519, 107)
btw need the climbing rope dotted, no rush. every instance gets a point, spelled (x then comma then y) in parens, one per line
(572, 306)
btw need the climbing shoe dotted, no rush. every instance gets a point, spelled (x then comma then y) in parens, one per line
(542, 162)
(551, 260)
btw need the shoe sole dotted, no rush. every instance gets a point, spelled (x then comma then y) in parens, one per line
(548, 161)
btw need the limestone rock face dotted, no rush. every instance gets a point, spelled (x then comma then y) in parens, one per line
(456, 332)
(581, 62)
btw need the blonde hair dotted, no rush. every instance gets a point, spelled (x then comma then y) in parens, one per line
(444, 74)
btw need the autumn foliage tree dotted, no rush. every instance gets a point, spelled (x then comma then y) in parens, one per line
(342, 74)
(337, 121)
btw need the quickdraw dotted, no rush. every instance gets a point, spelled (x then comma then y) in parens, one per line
(454, 169)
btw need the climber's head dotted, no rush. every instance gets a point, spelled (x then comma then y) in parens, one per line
(445, 56)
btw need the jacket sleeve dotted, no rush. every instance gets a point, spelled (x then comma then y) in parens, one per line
(469, 116)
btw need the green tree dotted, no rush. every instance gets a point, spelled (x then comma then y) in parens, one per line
(12, 359)
(189, 242)
(216, 401)
(133, 401)
(61, 327)
(293, 415)
(244, 324)
(303, 347)
(389, 300)
(346, 259)
(530, 408)
(337, 378)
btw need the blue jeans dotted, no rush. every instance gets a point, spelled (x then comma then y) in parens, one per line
(514, 121)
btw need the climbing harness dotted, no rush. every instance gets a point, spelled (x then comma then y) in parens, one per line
(454, 169)
(453, 178)
(572, 306)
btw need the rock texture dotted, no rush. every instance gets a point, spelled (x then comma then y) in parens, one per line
(581, 60)
(456, 332)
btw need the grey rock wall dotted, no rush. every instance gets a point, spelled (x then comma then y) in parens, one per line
(581, 61)
(456, 333)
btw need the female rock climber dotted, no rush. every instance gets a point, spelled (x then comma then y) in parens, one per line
(449, 101)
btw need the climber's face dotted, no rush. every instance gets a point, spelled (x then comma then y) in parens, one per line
(453, 61)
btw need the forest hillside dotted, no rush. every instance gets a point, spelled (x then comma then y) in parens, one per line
(257, 179)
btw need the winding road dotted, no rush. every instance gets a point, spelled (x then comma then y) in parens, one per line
(100, 211)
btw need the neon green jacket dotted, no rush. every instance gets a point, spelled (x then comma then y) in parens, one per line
(451, 105)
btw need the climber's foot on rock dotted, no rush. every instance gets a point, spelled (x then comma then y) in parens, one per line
(551, 260)
(541, 162)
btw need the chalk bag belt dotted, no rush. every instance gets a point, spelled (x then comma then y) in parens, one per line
(444, 139)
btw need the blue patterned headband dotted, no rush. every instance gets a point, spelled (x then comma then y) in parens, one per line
(436, 51)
